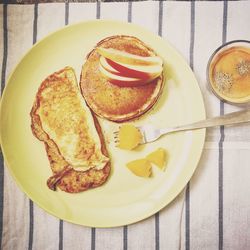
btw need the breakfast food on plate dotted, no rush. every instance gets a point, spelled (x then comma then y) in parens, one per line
(129, 137)
(158, 157)
(122, 78)
(72, 135)
(141, 167)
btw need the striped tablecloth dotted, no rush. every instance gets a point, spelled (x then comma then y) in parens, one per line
(213, 212)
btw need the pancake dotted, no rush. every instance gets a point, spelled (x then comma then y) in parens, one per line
(112, 102)
(71, 133)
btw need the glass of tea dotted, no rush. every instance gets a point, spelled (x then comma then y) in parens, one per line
(228, 72)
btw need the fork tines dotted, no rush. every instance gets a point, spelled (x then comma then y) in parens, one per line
(116, 139)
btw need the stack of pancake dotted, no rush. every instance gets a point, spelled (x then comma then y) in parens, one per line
(111, 101)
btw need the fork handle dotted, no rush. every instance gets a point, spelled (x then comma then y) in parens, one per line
(228, 119)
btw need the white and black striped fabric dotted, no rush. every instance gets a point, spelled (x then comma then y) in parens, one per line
(213, 212)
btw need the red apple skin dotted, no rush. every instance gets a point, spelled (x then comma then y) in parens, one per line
(108, 67)
(123, 82)
(124, 71)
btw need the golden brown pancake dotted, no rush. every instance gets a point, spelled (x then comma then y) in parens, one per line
(71, 133)
(113, 102)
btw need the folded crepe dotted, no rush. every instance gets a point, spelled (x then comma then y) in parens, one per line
(71, 133)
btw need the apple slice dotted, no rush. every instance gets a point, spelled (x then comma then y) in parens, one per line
(122, 81)
(124, 57)
(108, 67)
(142, 72)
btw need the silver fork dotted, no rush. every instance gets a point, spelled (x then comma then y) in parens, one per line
(150, 134)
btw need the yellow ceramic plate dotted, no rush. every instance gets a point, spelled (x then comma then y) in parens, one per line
(125, 198)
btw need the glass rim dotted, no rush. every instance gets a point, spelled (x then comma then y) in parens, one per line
(208, 67)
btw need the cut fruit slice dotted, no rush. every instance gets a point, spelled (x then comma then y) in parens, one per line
(139, 71)
(158, 157)
(141, 167)
(128, 70)
(108, 67)
(122, 81)
(129, 137)
(124, 57)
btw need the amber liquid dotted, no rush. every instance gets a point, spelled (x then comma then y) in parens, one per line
(230, 73)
